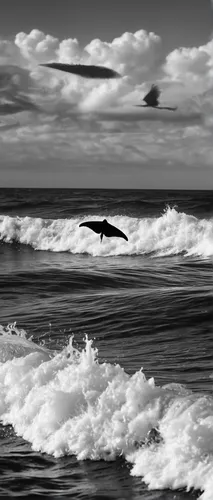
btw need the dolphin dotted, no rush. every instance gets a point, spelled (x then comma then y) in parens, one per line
(104, 228)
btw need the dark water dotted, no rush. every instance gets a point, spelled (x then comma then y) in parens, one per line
(146, 303)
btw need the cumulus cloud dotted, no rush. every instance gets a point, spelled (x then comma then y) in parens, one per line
(9, 53)
(137, 56)
(193, 66)
(132, 53)
(36, 46)
(68, 117)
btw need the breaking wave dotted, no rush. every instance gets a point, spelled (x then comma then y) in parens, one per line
(172, 233)
(14, 344)
(72, 404)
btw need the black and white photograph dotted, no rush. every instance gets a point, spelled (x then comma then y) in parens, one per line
(106, 249)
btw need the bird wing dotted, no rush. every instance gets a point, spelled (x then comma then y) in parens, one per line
(110, 231)
(84, 70)
(96, 226)
(152, 97)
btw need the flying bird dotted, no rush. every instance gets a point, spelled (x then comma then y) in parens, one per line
(104, 228)
(152, 99)
(84, 70)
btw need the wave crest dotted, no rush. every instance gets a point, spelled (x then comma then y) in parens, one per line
(73, 404)
(14, 343)
(172, 233)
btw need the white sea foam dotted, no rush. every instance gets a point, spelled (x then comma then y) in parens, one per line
(72, 404)
(14, 343)
(170, 234)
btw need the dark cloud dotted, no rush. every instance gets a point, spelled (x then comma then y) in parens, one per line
(8, 126)
(15, 87)
(11, 104)
(128, 114)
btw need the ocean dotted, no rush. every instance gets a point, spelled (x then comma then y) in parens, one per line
(106, 349)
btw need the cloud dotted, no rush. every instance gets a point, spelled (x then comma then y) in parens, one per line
(192, 66)
(138, 56)
(135, 55)
(138, 52)
(8, 126)
(36, 46)
(11, 104)
(74, 119)
(129, 114)
(9, 53)
(132, 53)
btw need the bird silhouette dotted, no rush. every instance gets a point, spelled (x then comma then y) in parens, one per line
(86, 71)
(152, 100)
(104, 228)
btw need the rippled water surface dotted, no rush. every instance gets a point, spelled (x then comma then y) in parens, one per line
(106, 377)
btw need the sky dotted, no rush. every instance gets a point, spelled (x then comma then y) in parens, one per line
(61, 130)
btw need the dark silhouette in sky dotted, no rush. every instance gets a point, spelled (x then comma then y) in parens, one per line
(84, 70)
(104, 228)
(152, 100)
